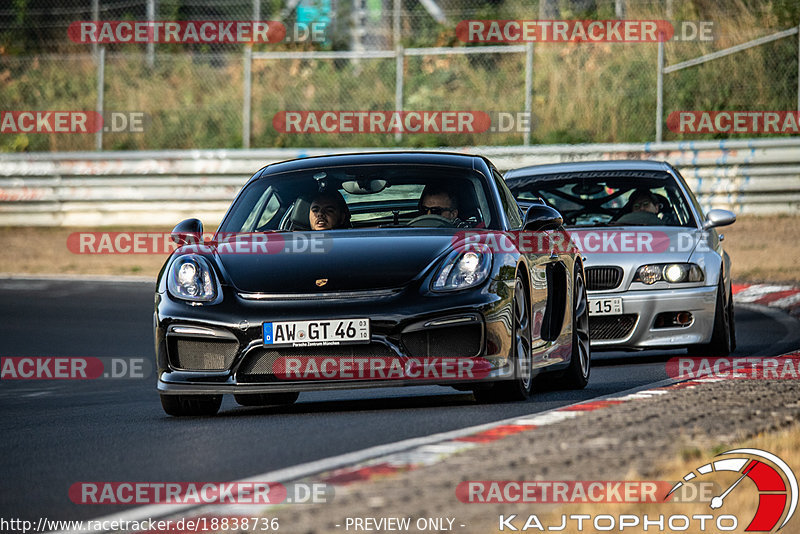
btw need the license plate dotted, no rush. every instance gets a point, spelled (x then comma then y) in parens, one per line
(311, 333)
(605, 306)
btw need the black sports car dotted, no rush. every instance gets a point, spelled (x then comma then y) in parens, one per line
(375, 269)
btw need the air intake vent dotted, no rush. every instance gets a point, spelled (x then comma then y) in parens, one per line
(197, 355)
(258, 364)
(449, 342)
(603, 278)
(611, 326)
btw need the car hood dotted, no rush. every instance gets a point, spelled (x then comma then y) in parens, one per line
(346, 260)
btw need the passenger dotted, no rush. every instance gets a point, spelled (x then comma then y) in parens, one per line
(328, 211)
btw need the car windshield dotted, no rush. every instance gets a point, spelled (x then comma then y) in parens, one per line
(606, 199)
(374, 196)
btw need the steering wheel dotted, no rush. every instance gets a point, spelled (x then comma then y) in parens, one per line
(431, 220)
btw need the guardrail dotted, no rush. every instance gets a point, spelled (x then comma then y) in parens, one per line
(162, 187)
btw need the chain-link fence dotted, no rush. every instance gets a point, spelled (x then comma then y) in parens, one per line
(229, 95)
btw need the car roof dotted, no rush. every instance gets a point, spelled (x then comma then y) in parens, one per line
(589, 166)
(450, 159)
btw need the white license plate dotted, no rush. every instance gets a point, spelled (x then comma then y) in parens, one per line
(605, 306)
(311, 333)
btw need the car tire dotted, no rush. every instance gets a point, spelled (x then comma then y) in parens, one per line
(191, 405)
(576, 376)
(519, 387)
(266, 399)
(723, 337)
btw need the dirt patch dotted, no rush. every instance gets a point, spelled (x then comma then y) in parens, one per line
(761, 248)
(35, 250)
(764, 249)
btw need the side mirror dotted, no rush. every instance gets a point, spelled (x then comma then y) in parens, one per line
(189, 231)
(716, 218)
(541, 217)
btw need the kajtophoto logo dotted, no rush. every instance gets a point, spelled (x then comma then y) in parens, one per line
(772, 488)
(773, 478)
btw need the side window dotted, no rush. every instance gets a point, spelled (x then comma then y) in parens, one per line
(510, 205)
(262, 213)
(692, 199)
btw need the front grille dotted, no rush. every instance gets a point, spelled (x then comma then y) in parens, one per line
(452, 342)
(258, 364)
(205, 355)
(601, 278)
(611, 326)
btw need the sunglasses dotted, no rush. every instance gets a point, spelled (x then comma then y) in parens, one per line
(433, 210)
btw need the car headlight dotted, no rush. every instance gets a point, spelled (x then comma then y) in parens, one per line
(674, 273)
(463, 269)
(191, 278)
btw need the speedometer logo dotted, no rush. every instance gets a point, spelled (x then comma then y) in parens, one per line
(775, 481)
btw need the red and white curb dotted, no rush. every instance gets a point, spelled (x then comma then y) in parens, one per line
(783, 297)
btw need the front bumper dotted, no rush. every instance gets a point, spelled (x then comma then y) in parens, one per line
(233, 331)
(640, 308)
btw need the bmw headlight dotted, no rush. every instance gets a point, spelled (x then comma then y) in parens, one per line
(463, 269)
(674, 273)
(191, 278)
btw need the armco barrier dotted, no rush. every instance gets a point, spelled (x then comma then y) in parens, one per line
(162, 187)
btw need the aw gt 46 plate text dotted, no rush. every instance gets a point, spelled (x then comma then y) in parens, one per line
(605, 306)
(322, 332)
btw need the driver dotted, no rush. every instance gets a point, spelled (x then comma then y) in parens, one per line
(643, 200)
(328, 211)
(644, 208)
(439, 200)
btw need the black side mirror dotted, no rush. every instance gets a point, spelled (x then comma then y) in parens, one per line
(189, 231)
(540, 217)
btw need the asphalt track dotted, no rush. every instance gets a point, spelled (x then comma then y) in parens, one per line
(59, 432)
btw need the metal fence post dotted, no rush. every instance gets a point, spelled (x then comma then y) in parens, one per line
(247, 85)
(151, 16)
(528, 92)
(101, 82)
(398, 88)
(660, 90)
(396, 22)
(95, 18)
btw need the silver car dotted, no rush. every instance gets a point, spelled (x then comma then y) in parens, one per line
(657, 275)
